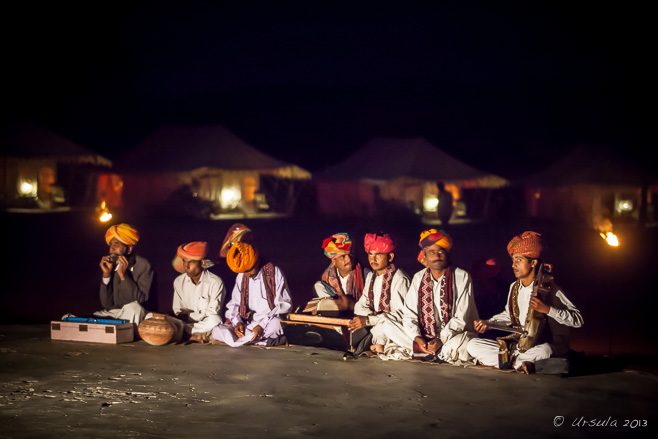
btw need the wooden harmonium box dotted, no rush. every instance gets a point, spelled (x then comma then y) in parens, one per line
(321, 331)
(92, 330)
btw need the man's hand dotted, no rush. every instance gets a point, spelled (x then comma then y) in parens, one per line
(480, 326)
(258, 332)
(344, 302)
(239, 329)
(106, 266)
(539, 306)
(356, 323)
(122, 266)
(434, 346)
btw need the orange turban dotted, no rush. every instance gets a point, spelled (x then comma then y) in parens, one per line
(379, 243)
(337, 245)
(241, 257)
(193, 251)
(124, 233)
(438, 237)
(526, 244)
(234, 234)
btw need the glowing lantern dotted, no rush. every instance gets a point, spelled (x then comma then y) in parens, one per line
(611, 239)
(105, 214)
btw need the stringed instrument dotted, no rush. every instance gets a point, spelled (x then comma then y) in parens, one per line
(535, 321)
(526, 337)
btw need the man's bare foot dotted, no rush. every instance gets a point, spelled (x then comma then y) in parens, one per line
(377, 348)
(200, 337)
(527, 367)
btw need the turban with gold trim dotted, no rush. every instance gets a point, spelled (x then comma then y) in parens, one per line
(234, 234)
(337, 245)
(438, 237)
(378, 243)
(193, 251)
(526, 244)
(241, 257)
(124, 233)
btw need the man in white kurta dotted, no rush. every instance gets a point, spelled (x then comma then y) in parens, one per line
(439, 307)
(259, 300)
(383, 292)
(201, 299)
(525, 251)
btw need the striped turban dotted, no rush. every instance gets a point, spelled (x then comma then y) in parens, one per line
(124, 233)
(241, 257)
(234, 234)
(378, 243)
(337, 245)
(193, 251)
(438, 237)
(526, 244)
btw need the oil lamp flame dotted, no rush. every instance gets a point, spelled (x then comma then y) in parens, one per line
(611, 239)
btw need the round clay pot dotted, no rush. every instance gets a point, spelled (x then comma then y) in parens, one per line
(156, 330)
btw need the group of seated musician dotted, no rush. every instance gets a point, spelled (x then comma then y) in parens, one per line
(432, 316)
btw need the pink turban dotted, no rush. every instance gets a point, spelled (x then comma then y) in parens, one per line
(124, 233)
(526, 244)
(337, 245)
(438, 237)
(374, 242)
(193, 251)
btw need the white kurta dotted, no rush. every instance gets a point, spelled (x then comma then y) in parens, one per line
(562, 311)
(454, 335)
(375, 318)
(263, 316)
(204, 300)
(321, 289)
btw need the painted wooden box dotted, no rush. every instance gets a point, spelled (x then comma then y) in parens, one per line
(92, 332)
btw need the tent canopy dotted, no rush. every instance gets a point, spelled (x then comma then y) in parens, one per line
(389, 158)
(175, 148)
(27, 140)
(586, 164)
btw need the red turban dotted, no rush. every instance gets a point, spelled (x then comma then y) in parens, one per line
(241, 257)
(193, 251)
(234, 234)
(438, 237)
(124, 233)
(374, 242)
(337, 245)
(526, 244)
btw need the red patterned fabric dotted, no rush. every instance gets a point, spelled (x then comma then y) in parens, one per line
(354, 281)
(526, 244)
(385, 296)
(270, 290)
(426, 318)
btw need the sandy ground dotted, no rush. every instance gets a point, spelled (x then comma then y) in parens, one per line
(72, 389)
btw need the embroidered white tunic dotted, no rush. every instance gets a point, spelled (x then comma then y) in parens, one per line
(263, 316)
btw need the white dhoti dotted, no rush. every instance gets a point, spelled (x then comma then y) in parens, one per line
(225, 333)
(133, 312)
(486, 352)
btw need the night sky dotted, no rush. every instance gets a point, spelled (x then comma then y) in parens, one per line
(496, 86)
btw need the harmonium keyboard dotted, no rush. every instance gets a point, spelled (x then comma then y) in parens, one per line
(321, 331)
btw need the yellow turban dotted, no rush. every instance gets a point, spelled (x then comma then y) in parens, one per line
(124, 233)
(438, 237)
(241, 257)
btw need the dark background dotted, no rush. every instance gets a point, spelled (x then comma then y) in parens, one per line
(494, 85)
